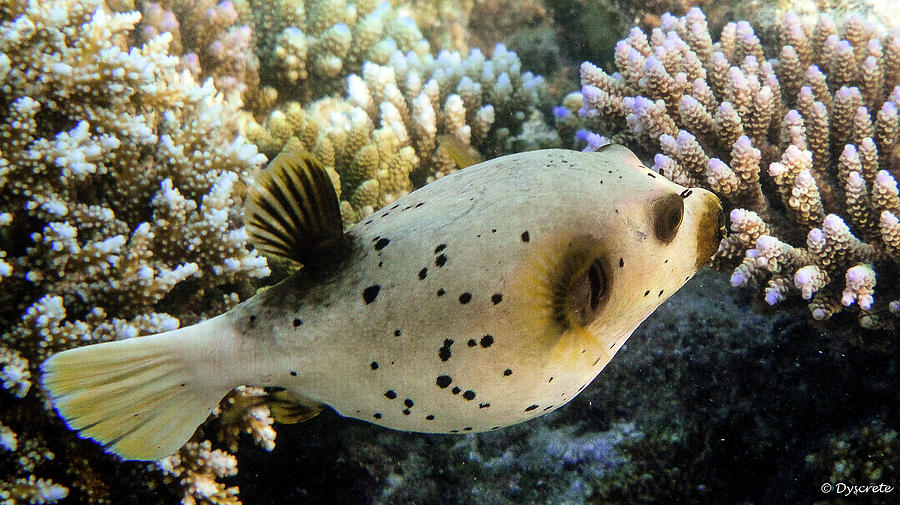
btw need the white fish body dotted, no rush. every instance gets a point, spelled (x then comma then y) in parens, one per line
(486, 298)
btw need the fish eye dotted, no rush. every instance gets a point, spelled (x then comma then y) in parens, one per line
(667, 213)
(586, 293)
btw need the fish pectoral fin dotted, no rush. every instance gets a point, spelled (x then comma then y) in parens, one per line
(462, 154)
(292, 210)
(289, 408)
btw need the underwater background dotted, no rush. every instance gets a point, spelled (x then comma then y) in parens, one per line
(129, 131)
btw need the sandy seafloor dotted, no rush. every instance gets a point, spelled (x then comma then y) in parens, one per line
(724, 405)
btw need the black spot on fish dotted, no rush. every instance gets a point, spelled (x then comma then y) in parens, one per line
(455, 390)
(530, 408)
(467, 428)
(646, 292)
(465, 298)
(621, 262)
(495, 428)
(596, 361)
(253, 318)
(380, 263)
(370, 293)
(374, 365)
(406, 412)
(429, 417)
(483, 405)
(420, 204)
(686, 193)
(377, 415)
(444, 352)
(395, 206)
(486, 341)
(548, 408)
(551, 380)
(493, 230)
(297, 322)
(382, 243)
(651, 174)
(293, 373)
(368, 222)
(183, 384)
(408, 403)
(386, 214)
(454, 431)
(423, 273)
(407, 207)
(443, 381)
(397, 333)
(440, 248)
(660, 292)
(469, 395)
(440, 260)
(472, 342)
(441, 292)
(496, 298)
(390, 394)
(507, 372)
(525, 237)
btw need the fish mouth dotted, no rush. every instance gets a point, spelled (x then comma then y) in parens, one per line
(710, 228)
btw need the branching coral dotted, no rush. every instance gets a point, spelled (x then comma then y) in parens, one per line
(389, 126)
(209, 39)
(197, 467)
(308, 47)
(120, 184)
(803, 147)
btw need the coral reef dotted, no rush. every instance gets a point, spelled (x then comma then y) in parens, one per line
(308, 47)
(120, 187)
(863, 456)
(820, 120)
(208, 38)
(566, 461)
(444, 23)
(385, 137)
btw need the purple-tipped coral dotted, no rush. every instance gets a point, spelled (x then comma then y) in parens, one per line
(803, 146)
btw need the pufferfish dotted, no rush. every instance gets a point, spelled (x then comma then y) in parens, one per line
(489, 297)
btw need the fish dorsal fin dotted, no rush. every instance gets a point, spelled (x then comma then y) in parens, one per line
(292, 210)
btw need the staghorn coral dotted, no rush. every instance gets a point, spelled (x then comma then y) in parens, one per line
(383, 139)
(444, 23)
(197, 467)
(209, 39)
(120, 185)
(308, 47)
(819, 121)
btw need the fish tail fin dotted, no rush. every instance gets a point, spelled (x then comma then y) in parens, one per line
(141, 398)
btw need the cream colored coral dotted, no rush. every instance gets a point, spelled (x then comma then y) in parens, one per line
(382, 139)
(197, 468)
(122, 179)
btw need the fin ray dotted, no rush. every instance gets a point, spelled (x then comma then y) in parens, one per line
(293, 210)
(142, 397)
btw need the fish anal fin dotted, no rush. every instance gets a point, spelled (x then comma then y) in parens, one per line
(292, 209)
(288, 408)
